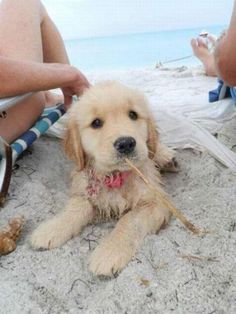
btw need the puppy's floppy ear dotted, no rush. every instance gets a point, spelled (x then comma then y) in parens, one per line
(72, 144)
(153, 138)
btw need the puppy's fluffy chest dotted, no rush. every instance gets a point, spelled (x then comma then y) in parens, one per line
(113, 202)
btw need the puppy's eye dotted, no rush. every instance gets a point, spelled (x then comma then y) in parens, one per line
(133, 115)
(97, 123)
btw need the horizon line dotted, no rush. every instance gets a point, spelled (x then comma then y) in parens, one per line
(138, 33)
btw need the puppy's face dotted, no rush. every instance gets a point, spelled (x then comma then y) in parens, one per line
(110, 123)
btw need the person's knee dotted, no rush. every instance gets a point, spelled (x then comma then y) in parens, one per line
(40, 101)
(28, 3)
(31, 7)
(29, 110)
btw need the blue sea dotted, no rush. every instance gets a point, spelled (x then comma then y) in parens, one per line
(132, 51)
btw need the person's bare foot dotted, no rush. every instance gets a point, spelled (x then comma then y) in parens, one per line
(202, 52)
(52, 99)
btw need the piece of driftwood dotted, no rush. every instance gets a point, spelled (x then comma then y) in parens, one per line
(9, 235)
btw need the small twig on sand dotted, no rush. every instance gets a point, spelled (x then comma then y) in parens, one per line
(21, 204)
(89, 242)
(162, 197)
(88, 239)
(28, 170)
(199, 258)
(75, 281)
(157, 267)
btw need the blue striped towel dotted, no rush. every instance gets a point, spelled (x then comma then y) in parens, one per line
(48, 118)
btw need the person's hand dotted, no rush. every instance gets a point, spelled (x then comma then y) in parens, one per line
(76, 86)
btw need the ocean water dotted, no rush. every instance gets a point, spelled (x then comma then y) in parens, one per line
(135, 50)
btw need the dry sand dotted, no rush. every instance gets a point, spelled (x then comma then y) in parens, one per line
(174, 271)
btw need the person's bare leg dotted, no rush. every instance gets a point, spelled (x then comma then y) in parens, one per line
(53, 51)
(20, 38)
(23, 36)
(53, 46)
(202, 52)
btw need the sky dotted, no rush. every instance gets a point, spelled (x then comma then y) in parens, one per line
(96, 18)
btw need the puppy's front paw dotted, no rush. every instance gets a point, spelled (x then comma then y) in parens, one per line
(110, 257)
(165, 159)
(170, 166)
(50, 235)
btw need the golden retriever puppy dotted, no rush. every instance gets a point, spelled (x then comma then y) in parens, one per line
(110, 123)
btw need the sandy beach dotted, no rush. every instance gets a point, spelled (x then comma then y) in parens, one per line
(174, 271)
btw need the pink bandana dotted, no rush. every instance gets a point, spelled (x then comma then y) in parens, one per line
(115, 181)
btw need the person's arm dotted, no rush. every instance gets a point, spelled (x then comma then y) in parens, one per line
(19, 77)
(225, 53)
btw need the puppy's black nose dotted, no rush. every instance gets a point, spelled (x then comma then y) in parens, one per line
(125, 145)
